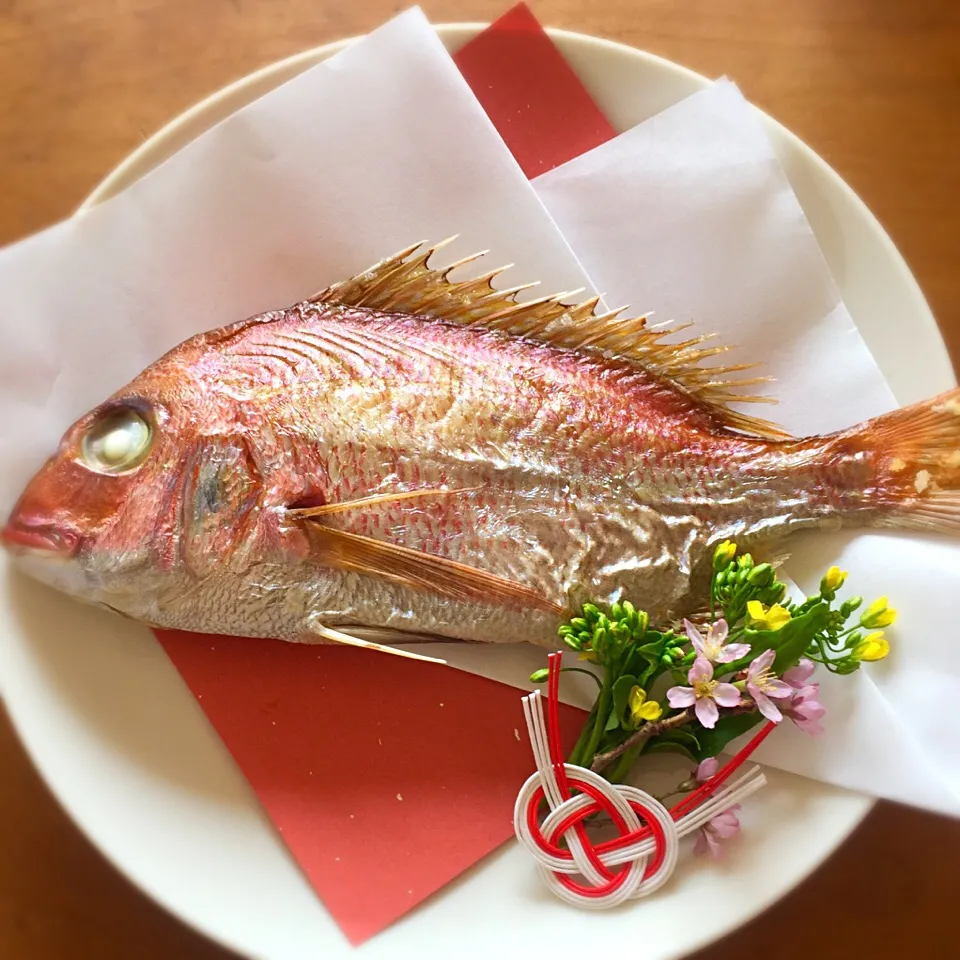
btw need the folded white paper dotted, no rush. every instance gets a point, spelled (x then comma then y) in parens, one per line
(688, 215)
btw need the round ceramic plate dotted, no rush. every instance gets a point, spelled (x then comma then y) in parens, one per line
(124, 746)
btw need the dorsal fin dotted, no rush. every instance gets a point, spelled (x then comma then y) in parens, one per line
(406, 283)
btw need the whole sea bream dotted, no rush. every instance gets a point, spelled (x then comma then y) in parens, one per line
(408, 453)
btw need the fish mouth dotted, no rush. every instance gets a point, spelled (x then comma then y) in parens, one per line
(27, 534)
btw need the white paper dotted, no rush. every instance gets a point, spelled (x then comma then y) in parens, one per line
(690, 214)
(379, 147)
(384, 145)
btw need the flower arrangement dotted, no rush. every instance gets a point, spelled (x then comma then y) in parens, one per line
(692, 688)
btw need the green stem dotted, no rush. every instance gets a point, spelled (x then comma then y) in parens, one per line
(625, 764)
(600, 721)
(576, 755)
(589, 673)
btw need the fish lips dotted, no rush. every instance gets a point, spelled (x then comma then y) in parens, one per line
(38, 535)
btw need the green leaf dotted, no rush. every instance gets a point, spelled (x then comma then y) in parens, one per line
(621, 693)
(728, 728)
(652, 651)
(790, 641)
(671, 746)
(679, 741)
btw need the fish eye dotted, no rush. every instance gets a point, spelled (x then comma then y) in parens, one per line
(117, 441)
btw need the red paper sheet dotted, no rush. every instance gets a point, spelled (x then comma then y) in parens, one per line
(536, 102)
(331, 738)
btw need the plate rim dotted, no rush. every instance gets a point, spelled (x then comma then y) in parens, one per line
(125, 173)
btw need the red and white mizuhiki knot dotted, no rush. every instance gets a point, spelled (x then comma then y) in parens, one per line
(644, 856)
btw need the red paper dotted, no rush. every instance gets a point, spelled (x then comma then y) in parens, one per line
(537, 103)
(370, 726)
(386, 777)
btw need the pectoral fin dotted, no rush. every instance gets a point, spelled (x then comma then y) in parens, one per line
(422, 571)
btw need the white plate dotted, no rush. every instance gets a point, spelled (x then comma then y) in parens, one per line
(126, 749)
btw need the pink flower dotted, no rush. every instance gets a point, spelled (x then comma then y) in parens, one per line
(714, 646)
(798, 676)
(762, 685)
(803, 708)
(723, 826)
(704, 693)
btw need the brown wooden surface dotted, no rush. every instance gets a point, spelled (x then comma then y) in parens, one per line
(872, 85)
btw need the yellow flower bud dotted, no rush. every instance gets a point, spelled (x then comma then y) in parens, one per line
(878, 615)
(874, 646)
(767, 618)
(641, 708)
(724, 553)
(834, 578)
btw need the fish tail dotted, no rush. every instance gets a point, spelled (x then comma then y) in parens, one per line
(916, 453)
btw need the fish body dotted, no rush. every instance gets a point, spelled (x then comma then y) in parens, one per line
(407, 454)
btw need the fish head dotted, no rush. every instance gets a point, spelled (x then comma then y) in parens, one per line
(103, 518)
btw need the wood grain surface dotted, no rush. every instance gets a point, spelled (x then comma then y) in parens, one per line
(872, 85)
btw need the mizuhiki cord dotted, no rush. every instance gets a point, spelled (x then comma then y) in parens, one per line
(647, 848)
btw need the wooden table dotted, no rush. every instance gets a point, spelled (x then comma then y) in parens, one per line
(872, 85)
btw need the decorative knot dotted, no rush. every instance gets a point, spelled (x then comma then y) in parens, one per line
(642, 857)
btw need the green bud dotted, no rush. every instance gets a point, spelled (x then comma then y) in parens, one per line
(629, 609)
(761, 576)
(565, 630)
(578, 623)
(590, 611)
(845, 667)
(853, 639)
(667, 660)
(848, 606)
(616, 612)
(746, 561)
(775, 593)
(539, 676)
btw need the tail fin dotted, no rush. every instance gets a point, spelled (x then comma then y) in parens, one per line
(917, 452)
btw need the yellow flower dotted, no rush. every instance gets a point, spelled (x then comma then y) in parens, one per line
(874, 646)
(878, 615)
(724, 554)
(641, 708)
(588, 654)
(767, 618)
(834, 578)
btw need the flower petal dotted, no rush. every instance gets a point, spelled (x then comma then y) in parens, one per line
(706, 843)
(694, 635)
(726, 825)
(733, 651)
(649, 710)
(812, 727)
(767, 707)
(718, 631)
(797, 676)
(701, 670)
(778, 689)
(707, 769)
(811, 710)
(707, 712)
(755, 611)
(763, 662)
(679, 697)
(727, 695)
